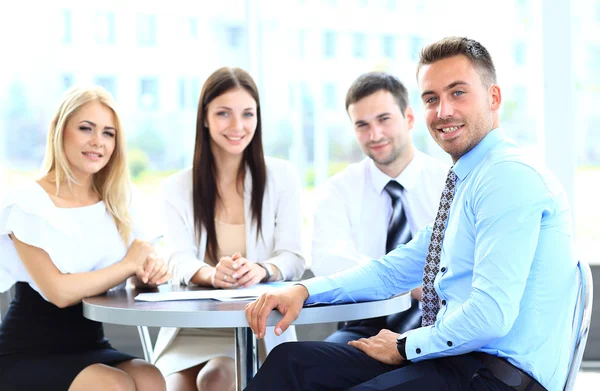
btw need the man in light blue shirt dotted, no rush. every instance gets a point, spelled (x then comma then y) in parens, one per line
(501, 266)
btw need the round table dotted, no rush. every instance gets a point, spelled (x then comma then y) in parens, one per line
(119, 307)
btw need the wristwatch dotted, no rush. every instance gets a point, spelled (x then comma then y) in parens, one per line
(269, 269)
(401, 345)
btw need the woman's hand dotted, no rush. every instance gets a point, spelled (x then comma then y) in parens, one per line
(224, 273)
(136, 256)
(255, 274)
(155, 272)
(246, 273)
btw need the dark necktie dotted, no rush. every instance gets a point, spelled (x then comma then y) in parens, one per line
(398, 229)
(431, 301)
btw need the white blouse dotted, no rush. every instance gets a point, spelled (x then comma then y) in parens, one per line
(280, 241)
(76, 239)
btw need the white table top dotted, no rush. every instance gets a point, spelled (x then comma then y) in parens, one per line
(119, 307)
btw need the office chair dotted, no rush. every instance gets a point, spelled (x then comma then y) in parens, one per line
(581, 321)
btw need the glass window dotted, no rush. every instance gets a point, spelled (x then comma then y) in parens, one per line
(520, 51)
(148, 94)
(360, 43)
(105, 28)
(389, 46)
(291, 95)
(109, 83)
(594, 61)
(192, 27)
(67, 27)
(329, 95)
(67, 81)
(194, 92)
(301, 43)
(317, 72)
(329, 38)
(415, 46)
(188, 92)
(146, 30)
(181, 93)
(586, 54)
(235, 35)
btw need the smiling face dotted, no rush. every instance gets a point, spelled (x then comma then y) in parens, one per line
(459, 109)
(381, 129)
(89, 139)
(231, 119)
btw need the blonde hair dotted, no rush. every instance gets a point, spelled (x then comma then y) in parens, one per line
(112, 183)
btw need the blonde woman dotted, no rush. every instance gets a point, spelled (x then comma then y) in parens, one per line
(233, 220)
(66, 236)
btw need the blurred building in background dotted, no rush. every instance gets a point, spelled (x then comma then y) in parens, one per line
(153, 56)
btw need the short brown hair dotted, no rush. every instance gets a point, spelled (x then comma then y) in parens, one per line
(456, 46)
(370, 83)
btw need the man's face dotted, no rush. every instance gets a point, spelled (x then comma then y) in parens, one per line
(381, 129)
(459, 108)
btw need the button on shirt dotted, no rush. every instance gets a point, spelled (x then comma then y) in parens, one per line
(353, 211)
(507, 269)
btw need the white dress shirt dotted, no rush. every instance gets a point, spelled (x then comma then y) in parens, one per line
(353, 211)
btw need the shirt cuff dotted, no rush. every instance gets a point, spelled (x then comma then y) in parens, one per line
(417, 343)
(317, 289)
(427, 343)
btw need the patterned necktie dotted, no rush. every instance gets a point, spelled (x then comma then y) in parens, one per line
(398, 229)
(431, 301)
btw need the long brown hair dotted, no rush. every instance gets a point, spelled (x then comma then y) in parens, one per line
(205, 192)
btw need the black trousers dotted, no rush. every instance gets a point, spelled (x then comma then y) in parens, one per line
(323, 366)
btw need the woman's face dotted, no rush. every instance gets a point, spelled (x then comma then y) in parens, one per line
(231, 119)
(89, 139)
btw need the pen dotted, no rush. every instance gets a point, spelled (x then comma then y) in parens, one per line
(156, 240)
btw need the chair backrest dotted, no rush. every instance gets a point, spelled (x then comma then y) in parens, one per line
(5, 298)
(581, 321)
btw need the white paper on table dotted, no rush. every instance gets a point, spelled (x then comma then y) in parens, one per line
(236, 298)
(216, 294)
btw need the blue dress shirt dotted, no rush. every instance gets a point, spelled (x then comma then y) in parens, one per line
(507, 277)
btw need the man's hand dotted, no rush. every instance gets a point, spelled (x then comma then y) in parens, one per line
(288, 301)
(381, 347)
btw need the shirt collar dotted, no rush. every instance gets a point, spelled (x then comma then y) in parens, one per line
(467, 162)
(408, 178)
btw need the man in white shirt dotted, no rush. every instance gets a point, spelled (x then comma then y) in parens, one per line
(358, 216)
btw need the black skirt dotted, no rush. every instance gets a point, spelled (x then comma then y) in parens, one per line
(43, 347)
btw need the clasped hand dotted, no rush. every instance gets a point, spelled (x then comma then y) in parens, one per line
(149, 268)
(236, 272)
